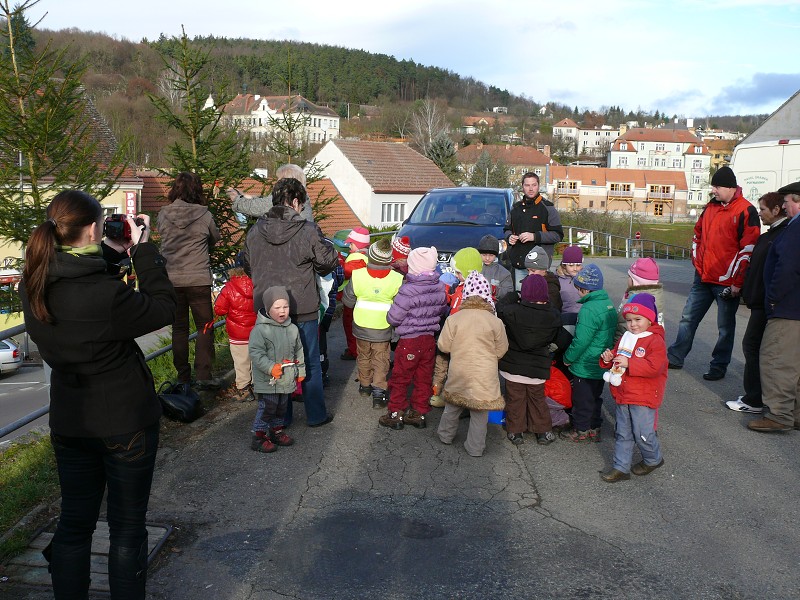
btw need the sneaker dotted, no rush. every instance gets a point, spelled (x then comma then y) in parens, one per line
(674, 366)
(740, 406)
(347, 356)
(580, 437)
(515, 438)
(393, 420)
(613, 476)
(594, 435)
(543, 439)
(642, 469)
(379, 399)
(365, 390)
(280, 438)
(262, 443)
(415, 418)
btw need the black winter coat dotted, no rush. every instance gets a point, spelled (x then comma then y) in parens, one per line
(100, 385)
(753, 289)
(530, 328)
(285, 249)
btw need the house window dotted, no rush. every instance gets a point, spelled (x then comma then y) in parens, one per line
(591, 203)
(537, 171)
(696, 180)
(641, 146)
(393, 212)
(658, 209)
(602, 203)
(641, 161)
(623, 161)
(659, 147)
(676, 163)
(597, 133)
(698, 149)
(691, 196)
(697, 164)
(573, 185)
(623, 146)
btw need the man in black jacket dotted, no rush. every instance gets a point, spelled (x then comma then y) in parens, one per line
(533, 221)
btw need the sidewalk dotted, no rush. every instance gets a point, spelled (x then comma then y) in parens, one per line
(355, 510)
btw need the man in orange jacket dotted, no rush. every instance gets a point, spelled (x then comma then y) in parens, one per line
(723, 240)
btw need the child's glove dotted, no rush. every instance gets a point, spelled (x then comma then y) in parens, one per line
(276, 371)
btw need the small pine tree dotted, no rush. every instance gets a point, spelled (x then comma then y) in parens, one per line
(443, 152)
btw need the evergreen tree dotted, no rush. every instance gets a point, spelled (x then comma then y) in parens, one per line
(443, 152)
(482, 170)
(48, 129)
(205, 145)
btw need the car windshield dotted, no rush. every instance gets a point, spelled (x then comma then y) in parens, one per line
(459, 206)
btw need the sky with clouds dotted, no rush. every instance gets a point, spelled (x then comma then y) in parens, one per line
(685, 57)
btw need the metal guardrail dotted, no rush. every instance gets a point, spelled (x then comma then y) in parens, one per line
(607, 244)
(29, 418)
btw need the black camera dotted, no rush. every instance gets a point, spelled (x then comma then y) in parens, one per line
(726, 294)
(116, 227)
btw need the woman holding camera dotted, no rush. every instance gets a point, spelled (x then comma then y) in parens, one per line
(104, 411)
(187, 231)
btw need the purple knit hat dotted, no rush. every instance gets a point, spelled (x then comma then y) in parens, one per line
(477, 285)
(534, 289)
(573, 255)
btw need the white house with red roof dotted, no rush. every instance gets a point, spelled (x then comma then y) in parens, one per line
(381, 182)
(666, 149)
(257, 115)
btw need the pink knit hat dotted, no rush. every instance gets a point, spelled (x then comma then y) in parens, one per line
(422, 260)
(644, 271)
(358, 236)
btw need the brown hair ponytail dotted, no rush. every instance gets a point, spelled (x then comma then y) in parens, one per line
(67, 215)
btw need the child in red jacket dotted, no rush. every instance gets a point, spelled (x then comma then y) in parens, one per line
(639, 363)
(236, 301)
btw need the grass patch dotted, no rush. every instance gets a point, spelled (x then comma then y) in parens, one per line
(28, 478)
(163, 369)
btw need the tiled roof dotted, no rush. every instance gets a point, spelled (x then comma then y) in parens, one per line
(483, 121)
(692, 149)
(392, 168)
(640, 178)
(338, 213)
(509, 154)
(646, 134)
(340, 216)
(617, 145)
(566, 123)
(244, 104)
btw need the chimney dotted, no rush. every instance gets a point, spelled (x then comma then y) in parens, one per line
(546, 150)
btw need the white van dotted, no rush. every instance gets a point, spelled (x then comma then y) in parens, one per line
(766, 166)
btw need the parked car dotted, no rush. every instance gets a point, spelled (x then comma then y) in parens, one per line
(10, 357)
(455, 218)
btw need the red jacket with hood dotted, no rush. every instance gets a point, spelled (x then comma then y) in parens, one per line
(724, 237)
(645, 379)
(236, 301)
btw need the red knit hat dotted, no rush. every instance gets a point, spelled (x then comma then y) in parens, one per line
(401, 247)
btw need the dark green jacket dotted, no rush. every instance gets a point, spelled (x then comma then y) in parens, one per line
(594, 332)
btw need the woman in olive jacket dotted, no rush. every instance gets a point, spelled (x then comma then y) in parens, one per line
(104, 411)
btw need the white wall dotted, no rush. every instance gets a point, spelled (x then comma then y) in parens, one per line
(353, 188)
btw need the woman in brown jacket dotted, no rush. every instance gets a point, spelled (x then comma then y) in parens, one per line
(476, 340)
(188, 232)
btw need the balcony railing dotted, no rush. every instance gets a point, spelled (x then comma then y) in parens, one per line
(620, 193)
(661, 195)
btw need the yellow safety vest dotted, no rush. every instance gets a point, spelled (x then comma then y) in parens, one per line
(374, 298)
(353, 256)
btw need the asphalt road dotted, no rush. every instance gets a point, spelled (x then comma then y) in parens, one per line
(354, 510)
(21, 393)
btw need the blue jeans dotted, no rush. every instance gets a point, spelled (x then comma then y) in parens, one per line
(701, 297)
(271, 412)
(86, 466)
(636, 425)
(313, 396)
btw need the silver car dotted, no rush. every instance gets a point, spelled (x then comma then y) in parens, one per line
(10, 357)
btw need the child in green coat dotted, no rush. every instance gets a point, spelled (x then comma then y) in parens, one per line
(594, 333)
